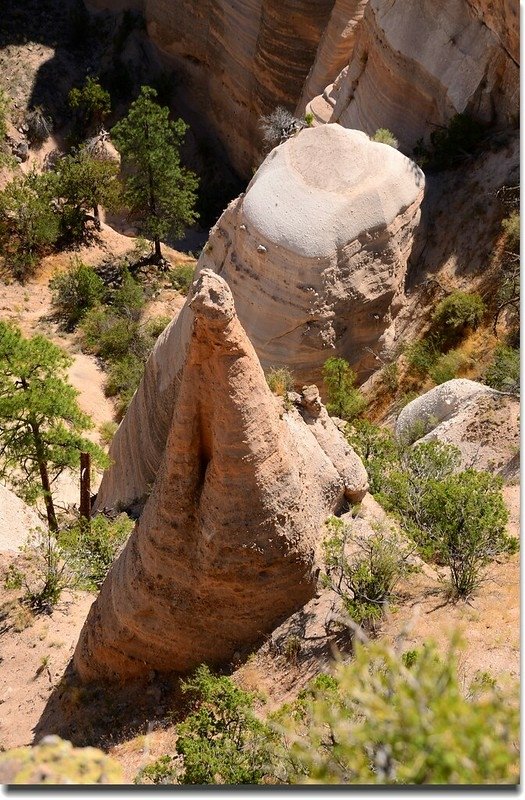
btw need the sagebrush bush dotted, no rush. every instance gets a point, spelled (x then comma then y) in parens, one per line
(280, 380)
(457, 313)
(89, 548)
(385, 136)
(107, 334)
(422, 355)
(74, 292)
(504, 371)
(344, 399)
(448, 366)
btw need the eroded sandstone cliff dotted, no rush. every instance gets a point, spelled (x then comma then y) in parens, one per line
(415, 64)
(316, 250)
(226, 545)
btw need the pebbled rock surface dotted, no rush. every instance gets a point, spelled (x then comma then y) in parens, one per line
(226, 545)
(316, 251)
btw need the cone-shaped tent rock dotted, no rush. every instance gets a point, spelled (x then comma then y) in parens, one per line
(226, 545)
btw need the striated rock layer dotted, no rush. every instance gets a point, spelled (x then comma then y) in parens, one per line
(416, 63)
(226, 544)
(237, 59)
(316, 250)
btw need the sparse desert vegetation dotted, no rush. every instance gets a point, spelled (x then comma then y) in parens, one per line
(293, 559)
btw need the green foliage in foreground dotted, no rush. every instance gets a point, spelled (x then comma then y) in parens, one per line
(220, 741)
(390, 723)
(90, 548)
(385, 717)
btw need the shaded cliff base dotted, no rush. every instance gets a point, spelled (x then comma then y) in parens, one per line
(135, 725)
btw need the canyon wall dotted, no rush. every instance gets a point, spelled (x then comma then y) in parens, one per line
(414, 65)
(406, 65)
(227, 543)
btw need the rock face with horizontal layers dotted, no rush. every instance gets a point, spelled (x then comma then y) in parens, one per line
(415, 64)
(237, 59)
(316, 250)
(226, 545)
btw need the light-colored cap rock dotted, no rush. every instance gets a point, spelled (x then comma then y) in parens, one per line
(316, 251)
(441, 403)
(226, 544)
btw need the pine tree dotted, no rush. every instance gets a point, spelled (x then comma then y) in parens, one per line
(158, 191)
(41, 424)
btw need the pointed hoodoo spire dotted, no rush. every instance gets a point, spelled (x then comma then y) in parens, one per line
(227, 541)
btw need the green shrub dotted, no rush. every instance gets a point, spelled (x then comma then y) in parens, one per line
(128, 300)
(107, 431)
(221, 740)
(309, 119)
(181, 277)
(422, 355)
(390, 376)
(450, 146)
(344, 399)
(162, 771)
(74, 292)
(389, 722)
(280, 380)
(92, 103)
(90, 548)
(511, 226)
(365, 583)
(155, 326)
(465, 516)
(457, 313)
(107, 335)
(448, 366)
(29, 225)
(504, 371)
(376, 447)
(385, 136)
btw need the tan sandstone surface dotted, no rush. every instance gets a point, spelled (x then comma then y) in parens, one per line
(226, 545)
(316, 250)
(414, 65)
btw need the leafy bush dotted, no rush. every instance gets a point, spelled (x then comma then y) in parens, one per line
(48, 572)
(92, 102)
(448, 365)
(221, 740)
(365, 583)
(29, 226)
(457, 313)
(128, 300)
(511, 226)
(107, 431)
(450, 146)
(390, 376)
(376, 447)
(91, 547)
(107, 334)
(422, 355)
(280, 380)
(465, 516)
(390, 722)
(344, 399)
(385, 136)
(504, 371)
(181, 277)
(75, 291)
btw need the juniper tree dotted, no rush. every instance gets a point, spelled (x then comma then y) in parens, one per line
(41, 424)
(159, 192)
